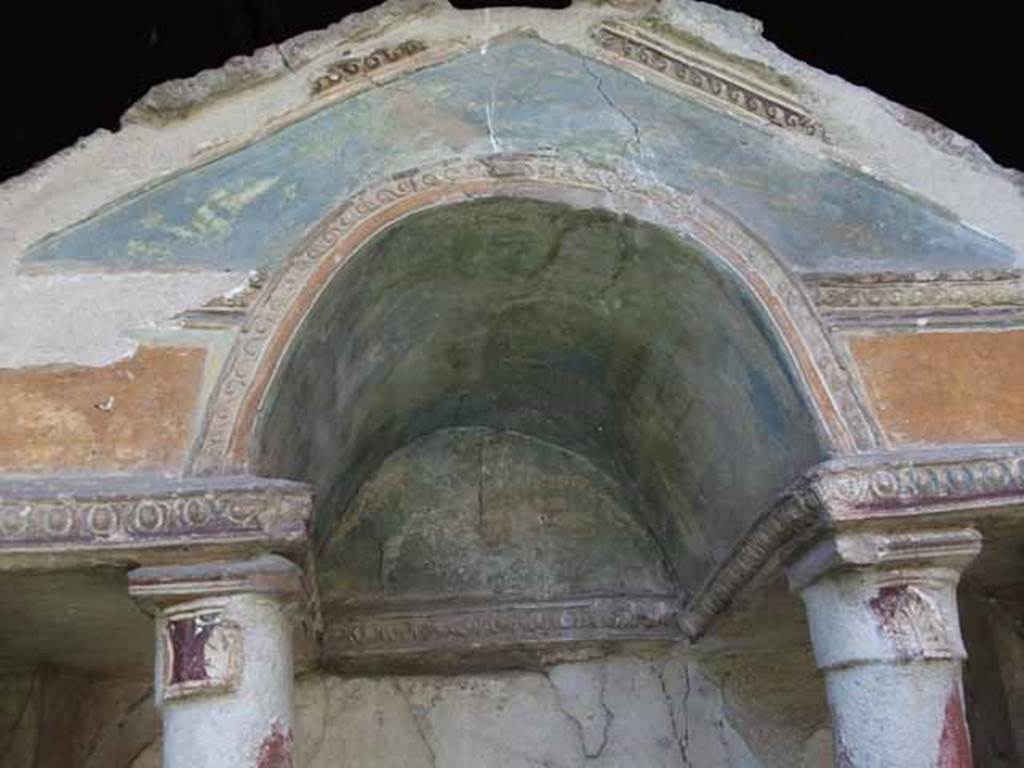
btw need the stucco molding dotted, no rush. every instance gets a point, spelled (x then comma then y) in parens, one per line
(965, 298)
(354, 67)
(791, 519)
(393, 633)
(60, 518)
(710, 79)
(945, 550)
(911, 489)
(224, 442)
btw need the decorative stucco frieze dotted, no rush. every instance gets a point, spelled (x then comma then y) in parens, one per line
(919, 482)
(888, 298)
(707, 78)
(792, 519)
(928, 487)
(397, 632)
(355, 67)
(57, 515)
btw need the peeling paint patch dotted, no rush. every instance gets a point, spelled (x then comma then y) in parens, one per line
(910, 620)
(204, 653)
(955, 743)
(188, 640)
(276, 749)
(135, 414)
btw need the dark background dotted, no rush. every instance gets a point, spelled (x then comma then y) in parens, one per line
(71, 68)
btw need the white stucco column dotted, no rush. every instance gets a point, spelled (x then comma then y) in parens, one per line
(883, 619)
(224, 661)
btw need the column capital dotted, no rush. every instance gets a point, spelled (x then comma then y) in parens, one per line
(207, 616)
(164, 586)
(935, 549)
(882, 613)
(884, 597)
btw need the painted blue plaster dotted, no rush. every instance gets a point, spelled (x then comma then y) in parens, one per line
(247, 210)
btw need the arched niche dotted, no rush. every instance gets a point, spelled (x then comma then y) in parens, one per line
(513, 400)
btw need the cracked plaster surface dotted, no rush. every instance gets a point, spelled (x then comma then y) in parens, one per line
(664, 711)
(616, 712)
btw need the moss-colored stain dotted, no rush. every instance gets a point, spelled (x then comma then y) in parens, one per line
(610, 338)
(476, 513)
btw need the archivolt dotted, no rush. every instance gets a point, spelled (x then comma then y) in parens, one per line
(223, 445)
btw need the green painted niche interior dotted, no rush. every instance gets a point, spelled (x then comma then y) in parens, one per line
(614, 355)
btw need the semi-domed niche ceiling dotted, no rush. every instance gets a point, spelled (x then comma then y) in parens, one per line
(508, 399)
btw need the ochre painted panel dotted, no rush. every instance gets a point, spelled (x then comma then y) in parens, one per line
(945, 387)
(135, 414)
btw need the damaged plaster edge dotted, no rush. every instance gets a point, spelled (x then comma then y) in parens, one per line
(180, 97)
(219, 111)
(216, 344)
(150, 305)
(872, 134)
(176, 99)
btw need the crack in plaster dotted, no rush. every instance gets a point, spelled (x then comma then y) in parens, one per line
(577, 725)
(381, 558)
(418, 721)
(622, 260)
(132, 758)
(325, 719)
(599, 85)
(683, 739)
(480, 487)
(489, 113)
(609, 717)
(284, 59)
(133, 706)
(13, 732)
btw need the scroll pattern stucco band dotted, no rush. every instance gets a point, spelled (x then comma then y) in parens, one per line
(752, 99)
(42, 519)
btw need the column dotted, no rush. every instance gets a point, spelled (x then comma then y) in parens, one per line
(883, 619)
(224, 662)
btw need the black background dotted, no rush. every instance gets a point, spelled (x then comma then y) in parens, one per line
(71, 68)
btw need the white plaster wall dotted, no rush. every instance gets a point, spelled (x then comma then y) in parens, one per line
(755, 710)
(618, 712)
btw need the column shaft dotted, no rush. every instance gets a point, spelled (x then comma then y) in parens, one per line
(250, 725)
(224, 661)
(883, 619)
